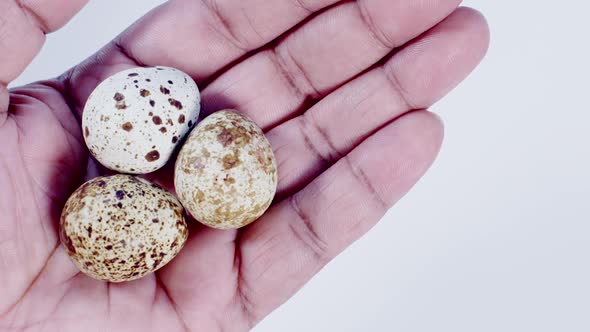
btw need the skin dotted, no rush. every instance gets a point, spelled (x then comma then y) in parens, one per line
(344, 113)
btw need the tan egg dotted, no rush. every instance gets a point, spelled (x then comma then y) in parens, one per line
(226, 174)
(120, 228)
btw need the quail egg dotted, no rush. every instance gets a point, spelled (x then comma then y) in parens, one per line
(134, 119)
(226, 174)
(120, 228)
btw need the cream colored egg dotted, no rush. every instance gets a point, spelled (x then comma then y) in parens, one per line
(134, 119)
(121, 227)
(226, 175)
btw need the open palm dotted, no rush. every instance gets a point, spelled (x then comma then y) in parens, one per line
(340, 88)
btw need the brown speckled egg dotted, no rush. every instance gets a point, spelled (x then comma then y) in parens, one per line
(133, 120)
(226, 175)
(120, 228)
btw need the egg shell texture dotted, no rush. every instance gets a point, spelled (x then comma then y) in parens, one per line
(226, 174)
(134, 119)
(120, 228)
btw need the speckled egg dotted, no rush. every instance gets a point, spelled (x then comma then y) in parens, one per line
(134, 119)
(225, 174)
(120, 228)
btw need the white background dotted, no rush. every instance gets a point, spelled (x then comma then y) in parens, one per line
(496, 237)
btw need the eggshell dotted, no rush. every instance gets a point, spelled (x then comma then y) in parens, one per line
(121, 227)
(134, 119)
(226, 174)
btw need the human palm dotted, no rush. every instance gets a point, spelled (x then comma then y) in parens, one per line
(341, 97)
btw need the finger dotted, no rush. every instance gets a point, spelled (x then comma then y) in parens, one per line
(199, 37)
(297, 237)
(414, 78)
(50, 15)
(321, 55)
(23, 25)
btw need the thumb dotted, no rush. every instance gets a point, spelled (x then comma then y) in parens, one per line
(23, 26)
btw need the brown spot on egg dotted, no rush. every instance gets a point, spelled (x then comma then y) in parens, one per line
(133, 74)
(228, 180)
(67, 241)
(109, 247)
(86, 131)
(120, 101)
(170, 82)
(230, 161)
(157, 120)
(174, 139)
(127, 126)
(175, 103)
(170, 122)
(234, 135)
(164, 90)
(180, 224)
(163, 130)
(152, 156)
(178, 213)
(157, 263)
(152, 103)
(181, 119)
(200, 197)
(144, 93)
(226, 213)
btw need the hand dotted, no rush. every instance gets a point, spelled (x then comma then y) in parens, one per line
(341, 96)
